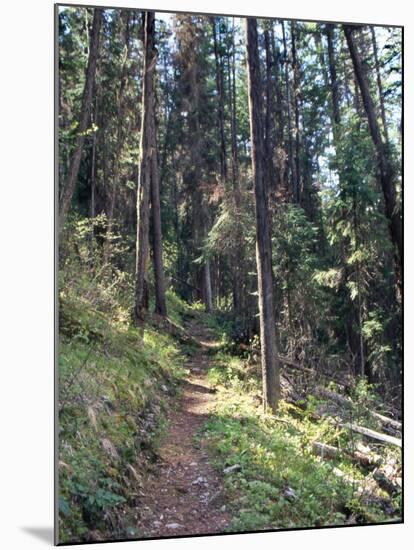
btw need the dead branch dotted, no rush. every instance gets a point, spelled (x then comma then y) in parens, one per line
(372, 434)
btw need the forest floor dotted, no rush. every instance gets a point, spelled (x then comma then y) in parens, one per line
(170, 439)
(183, 492)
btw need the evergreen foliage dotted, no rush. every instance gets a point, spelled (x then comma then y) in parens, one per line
(318, 110)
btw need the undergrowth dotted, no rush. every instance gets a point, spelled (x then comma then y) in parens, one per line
(113, 400)
(112, 397)
(278, 482)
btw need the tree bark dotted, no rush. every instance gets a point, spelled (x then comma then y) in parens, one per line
(379, 85)
(334, 79)
(67, 194)
(208, 291)
(144, 177)
(291, 160)
(384, 162)
(279, 119)
(236, 252)
(234, 153)
(220, 94)
(120, 134)
(372, 434)
(160, 301)
(268, 133)
(93, 177)
(270, 364)
(296, 85)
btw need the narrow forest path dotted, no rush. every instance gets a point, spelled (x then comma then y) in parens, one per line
(183, 494)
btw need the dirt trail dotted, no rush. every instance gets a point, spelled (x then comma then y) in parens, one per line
(184, 495)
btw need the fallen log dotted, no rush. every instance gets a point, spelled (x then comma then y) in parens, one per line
(388, 485)
(333, 396)
(330, 452)
(366, 460)
(386, 421)
(346, 402)
(324, 450)
(367, 432)
(295, 365)
(372, 434)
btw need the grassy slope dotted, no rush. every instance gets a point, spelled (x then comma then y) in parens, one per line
(113, 402)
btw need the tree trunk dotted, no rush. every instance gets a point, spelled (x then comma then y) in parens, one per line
(334, 80)
(268, 130)
(234, 154)
(160, 301)
(296, 84)
(207, 283)
(144, 177)
(93, 177)
(67, 194)
(270, 364)
(219, 85)
(384, 162)
(291, 160)
(279, 121)
(379, 84)
(120, 134)
(236, 253)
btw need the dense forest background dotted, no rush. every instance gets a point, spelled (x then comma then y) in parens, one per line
(248, 168)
